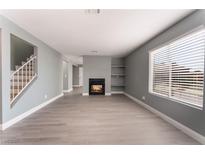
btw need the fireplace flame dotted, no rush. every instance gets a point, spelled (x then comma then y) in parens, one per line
(96, 88)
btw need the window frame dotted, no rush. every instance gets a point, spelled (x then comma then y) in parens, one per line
(150, 78)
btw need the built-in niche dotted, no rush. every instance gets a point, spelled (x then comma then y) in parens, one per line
(21, 50)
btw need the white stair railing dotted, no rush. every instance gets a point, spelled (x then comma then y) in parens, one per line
(22, 77)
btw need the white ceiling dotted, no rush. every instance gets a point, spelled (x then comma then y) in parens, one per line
(112, 32)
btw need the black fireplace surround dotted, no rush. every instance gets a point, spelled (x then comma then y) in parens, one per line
(96, 86)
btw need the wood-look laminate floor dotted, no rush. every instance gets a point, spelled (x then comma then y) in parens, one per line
(76, 119)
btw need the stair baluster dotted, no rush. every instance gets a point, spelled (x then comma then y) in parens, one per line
(22, 77)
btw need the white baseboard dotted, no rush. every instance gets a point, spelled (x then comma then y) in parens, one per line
(76, 85)
(117, 92)
(67, 91)
(107, 94)
(27, 113)
(200, 138)
(85, 94)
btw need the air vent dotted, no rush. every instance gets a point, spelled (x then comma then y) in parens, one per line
(92, 11)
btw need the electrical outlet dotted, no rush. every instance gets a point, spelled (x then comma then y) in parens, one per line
(45, 96)
(143, 97)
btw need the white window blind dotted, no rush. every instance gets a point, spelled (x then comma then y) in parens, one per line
(177, 69)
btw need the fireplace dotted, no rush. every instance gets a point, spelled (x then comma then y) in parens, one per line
(96, 86)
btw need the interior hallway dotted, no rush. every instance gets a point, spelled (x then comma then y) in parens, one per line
(76, 119)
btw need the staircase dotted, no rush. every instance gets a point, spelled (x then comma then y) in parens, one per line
(22, 77)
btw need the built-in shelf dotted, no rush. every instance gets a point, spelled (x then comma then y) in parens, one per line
(117, 89)
(118, 66)
(117, 92)
(117, 85)
(118, 74)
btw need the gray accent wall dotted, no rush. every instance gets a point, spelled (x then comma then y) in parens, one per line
(137, 74)
(96, 67)
(48, 82)
(75, 75)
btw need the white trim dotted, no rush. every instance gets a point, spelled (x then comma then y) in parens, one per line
(85, 94)
(200, 138)
(117, 92)
(76, 85)
(107, 94)
(27, 113)
(67, 91)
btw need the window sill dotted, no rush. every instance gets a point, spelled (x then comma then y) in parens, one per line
(177, 101)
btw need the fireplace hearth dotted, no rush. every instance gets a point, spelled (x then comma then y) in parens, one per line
(97, 86)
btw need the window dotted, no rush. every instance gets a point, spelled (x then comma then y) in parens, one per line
(177, 69)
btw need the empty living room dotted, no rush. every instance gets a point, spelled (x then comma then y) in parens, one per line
(102, 76)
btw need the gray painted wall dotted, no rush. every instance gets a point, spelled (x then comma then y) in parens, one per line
(49, 81)
(96, 67)
(20, 51)
(75, 75)
(137, 74)
(0, 81)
